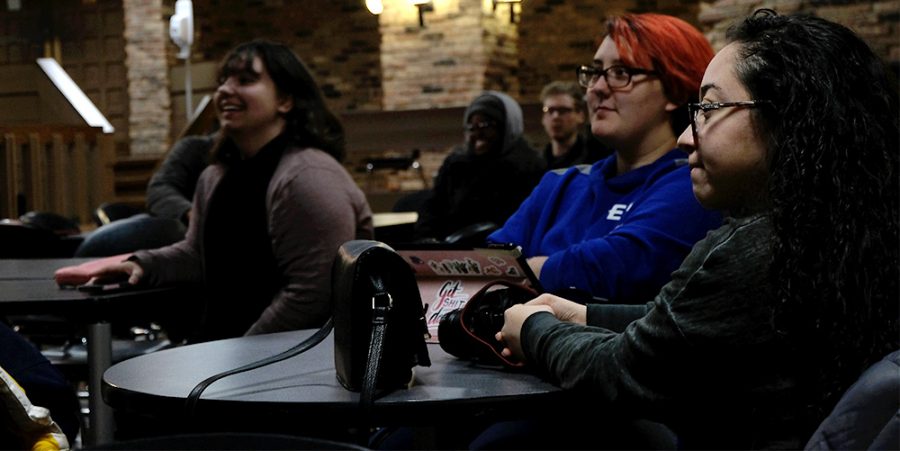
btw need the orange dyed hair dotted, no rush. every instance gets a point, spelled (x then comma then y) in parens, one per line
(669, 45)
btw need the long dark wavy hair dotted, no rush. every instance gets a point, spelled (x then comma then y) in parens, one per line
(832, 136)
(310, 123)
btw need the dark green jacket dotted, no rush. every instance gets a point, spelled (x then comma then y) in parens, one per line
(702, 357)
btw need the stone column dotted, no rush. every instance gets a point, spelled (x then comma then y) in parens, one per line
(147, 74)
(875, 21)
(463, 49)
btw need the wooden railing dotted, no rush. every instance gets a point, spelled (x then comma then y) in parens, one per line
(62, 169)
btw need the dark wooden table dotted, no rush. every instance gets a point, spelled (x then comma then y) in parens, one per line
(40, 269)
(305, 388)
(27, 287)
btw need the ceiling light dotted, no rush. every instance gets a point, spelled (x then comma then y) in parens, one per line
(375, 6)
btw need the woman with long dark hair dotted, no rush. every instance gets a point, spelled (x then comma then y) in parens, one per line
(271, 211)
(772, 316)
(832, 141)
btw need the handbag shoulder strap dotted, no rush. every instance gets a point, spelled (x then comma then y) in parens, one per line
(381, 306)
(194, 397)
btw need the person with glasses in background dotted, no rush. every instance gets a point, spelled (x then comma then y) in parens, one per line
(775, 314)
(617, 229)
(483, 181)
(564, 118)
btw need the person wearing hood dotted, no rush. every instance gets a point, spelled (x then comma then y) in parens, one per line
(487, 178)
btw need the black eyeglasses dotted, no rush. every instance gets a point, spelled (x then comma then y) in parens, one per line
(617, 77)
(480, 126)
(560, 110)
(698, 120)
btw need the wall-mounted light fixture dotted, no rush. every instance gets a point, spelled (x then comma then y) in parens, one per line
(375, 6)
(424, 6)
(181, 30)
(512, 7)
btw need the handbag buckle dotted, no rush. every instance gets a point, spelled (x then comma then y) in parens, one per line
(383, 295)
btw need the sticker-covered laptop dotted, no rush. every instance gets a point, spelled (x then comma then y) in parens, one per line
(447, 275)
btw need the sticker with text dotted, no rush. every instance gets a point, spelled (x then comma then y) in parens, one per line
(450, 296)
(456, 267)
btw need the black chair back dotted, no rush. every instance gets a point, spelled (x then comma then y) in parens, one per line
(112, 211)
(868, 415)
(228, 441)
(472, 234)
(51, 222)
(22, 241)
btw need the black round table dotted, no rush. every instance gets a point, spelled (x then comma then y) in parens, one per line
(304, 389)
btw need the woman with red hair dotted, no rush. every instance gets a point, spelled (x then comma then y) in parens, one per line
(618, 228)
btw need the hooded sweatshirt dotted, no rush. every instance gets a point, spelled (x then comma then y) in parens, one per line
(473, 188)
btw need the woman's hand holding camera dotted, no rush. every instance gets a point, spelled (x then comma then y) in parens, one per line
(562, 309)
(515, 316)
(513, 319)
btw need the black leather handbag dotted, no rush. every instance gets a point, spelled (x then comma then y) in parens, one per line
(468, 332)
(379, 322)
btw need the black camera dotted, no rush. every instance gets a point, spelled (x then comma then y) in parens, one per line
(469, 332)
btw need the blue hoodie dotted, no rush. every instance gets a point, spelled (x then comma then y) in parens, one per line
(617, 237)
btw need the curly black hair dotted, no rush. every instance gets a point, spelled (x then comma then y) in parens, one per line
(310, 123)
(832, 136)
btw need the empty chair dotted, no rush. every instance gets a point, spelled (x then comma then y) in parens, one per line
(405, 163)
(227, 441)
(109, 212)
(472, 234)
(19, 240)
(412, 201)
(868, 415)
(51, 222)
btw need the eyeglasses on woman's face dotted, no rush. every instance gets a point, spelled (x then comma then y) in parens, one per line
(617, 77)
(699, 112)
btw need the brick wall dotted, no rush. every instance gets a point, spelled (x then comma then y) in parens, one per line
(876, 22)
(502, 46)
(369, 63)
(556, 36)
(337, 39)
(439, 65)
(148, 77)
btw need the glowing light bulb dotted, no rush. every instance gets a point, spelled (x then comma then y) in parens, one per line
(375, 6)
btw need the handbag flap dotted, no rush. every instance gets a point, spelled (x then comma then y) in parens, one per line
(357, 263)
